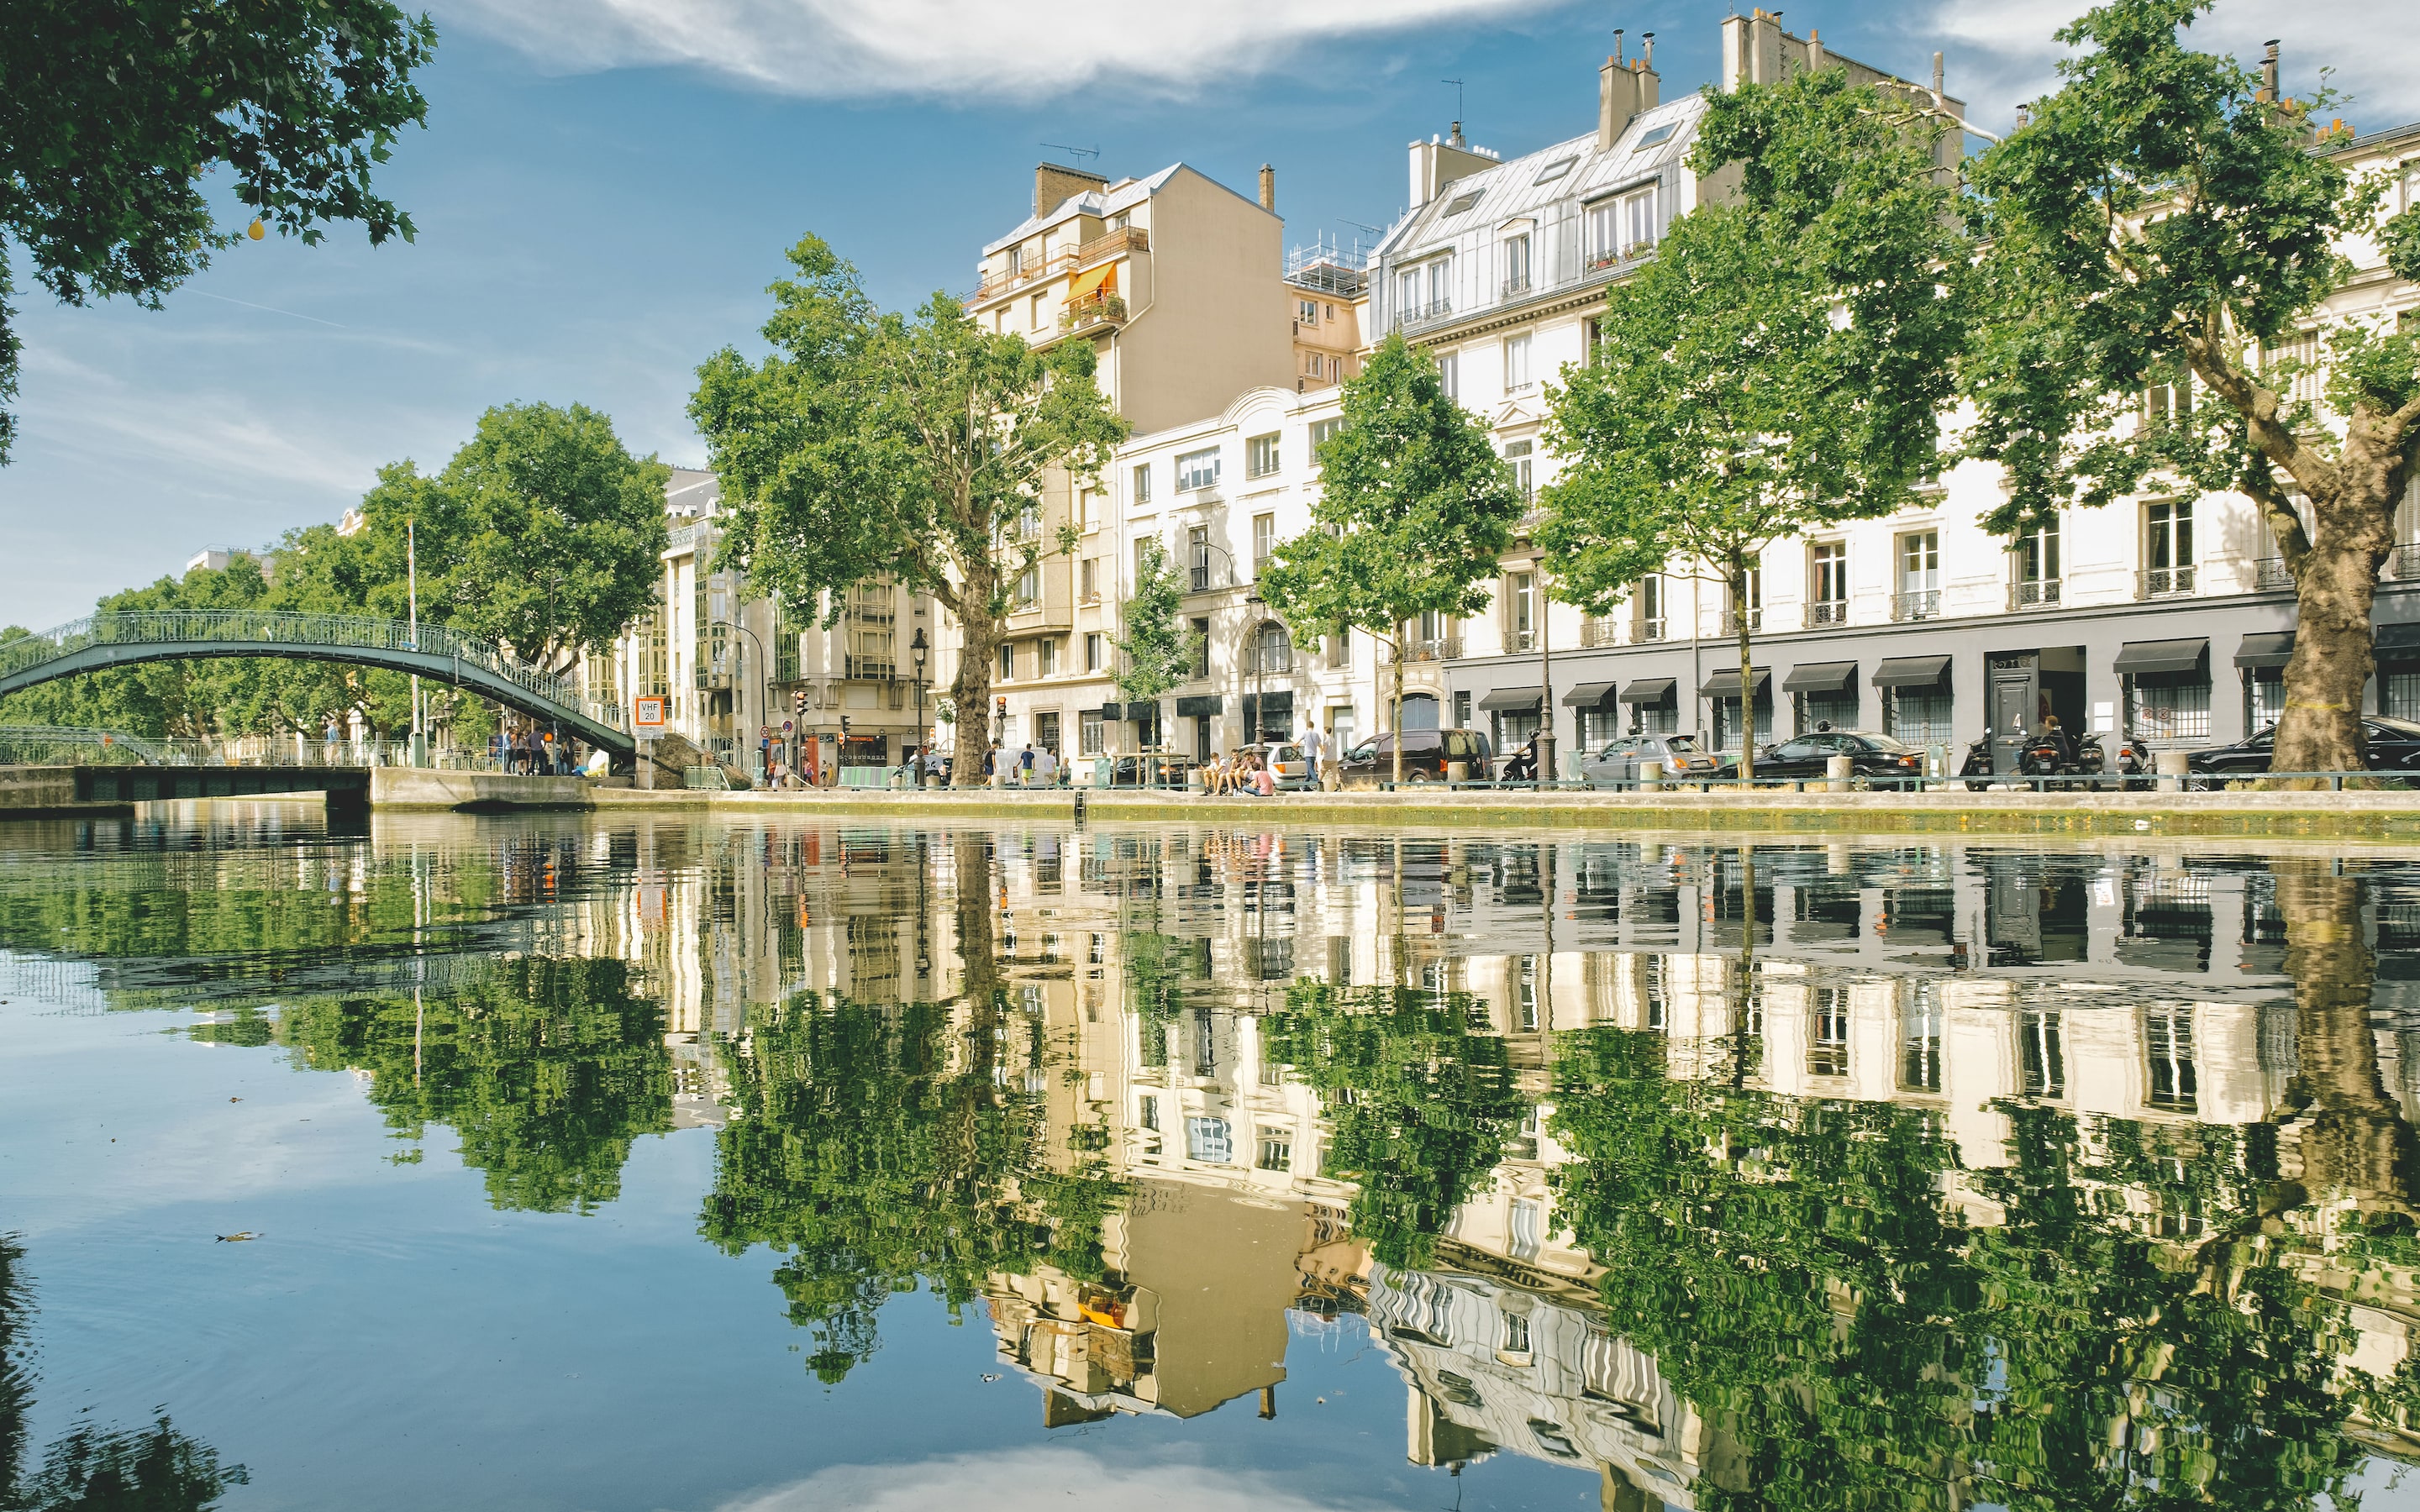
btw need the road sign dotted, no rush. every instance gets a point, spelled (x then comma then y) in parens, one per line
(648, 715)
(786, 727)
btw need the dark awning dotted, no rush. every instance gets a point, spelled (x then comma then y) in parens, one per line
(2137, 657)
(1821, 677)
(1651, 690)
(1724, 684)
(1912, 672)
(1199, 707)
(2269, 648)
(1141, 711)
(1276, 701)
(2399, 637)
(1513, 698)
(1589, 696)
(1112, 713)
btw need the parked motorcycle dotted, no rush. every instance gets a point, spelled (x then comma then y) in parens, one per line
(2039, 756)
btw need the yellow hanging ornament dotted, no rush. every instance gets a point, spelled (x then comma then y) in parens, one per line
(256, 231)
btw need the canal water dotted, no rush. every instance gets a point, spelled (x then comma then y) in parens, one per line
(567, 1163)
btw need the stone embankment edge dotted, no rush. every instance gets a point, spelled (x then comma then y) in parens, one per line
(2392, 817)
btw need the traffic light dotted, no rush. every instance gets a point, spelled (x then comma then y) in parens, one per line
(799, 703)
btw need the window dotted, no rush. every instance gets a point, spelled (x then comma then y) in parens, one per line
(1197, 555)
(1516, 363)
(1408, 294)
(2175, 1083)
(2034, 558)
(2168, 548)
(1441, 286)
(1919, 576)
(2169, 398)
(1207, 1139)
(1046, 734)
(1088, 574)
(1827, 583)
(1648, 598)
(1919, 1043)
(1660, 136)
(1277, 1150)
(1087, 731)
(1517, 1334)
(1917, 716)
(2168, 708)
(1529, 1227)
(1521, 612)
(2042, 1050)
(1555, 170)
(1307, 311)
(1749, 604)
(1142, 482)
(1827, 1044)
(1033, 313)
(1314, 365)
(1008, 664)
(1637, 221)
(1460, 711)
(1264, 539)
(1029, 586)
(1096, 651)
(1049, 656)
(1260, 456)
(1321, 430)
(1150, 1112)
(1516, 265)
(1464, 204)
(1450, 374)
(1016, 258)
(1198, 469)
(1518, 453)
(1200, 648)
(1340, 652)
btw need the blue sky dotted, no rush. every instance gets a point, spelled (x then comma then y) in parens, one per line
(606, 186)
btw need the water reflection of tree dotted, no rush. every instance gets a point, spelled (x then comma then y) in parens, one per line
(884, 1145)
(546, 1070)
(2127, 1335)
(1419, 1100)
(94, 1468)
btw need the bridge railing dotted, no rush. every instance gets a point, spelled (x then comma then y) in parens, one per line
(333, 631)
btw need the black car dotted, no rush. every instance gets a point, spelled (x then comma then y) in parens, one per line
(2393, 747)
(1871, 755)
(1426, 755)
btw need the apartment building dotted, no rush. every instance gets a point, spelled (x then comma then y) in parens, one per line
(735, 666)
(2168, 614)
(1152, 271)
(1328, 289)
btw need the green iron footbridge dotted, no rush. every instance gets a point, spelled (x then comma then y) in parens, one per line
(124, 639)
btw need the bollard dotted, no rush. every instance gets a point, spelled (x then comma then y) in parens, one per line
(1195, 783)
(1837, 770)
(1457, 773)
(1650, 776)
(2173, 765)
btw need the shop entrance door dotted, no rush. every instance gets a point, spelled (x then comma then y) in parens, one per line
(2016, 691)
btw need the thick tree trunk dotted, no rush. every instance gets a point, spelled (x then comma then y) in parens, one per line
(2335, 584)
(2348, 1138)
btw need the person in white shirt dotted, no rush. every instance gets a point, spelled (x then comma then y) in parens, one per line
(1315, 751)
(1045, 767)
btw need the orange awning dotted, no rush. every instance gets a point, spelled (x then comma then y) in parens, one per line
(1102, 281)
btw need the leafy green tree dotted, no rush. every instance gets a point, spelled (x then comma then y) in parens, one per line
(879, 1145)
(1419, 1103)
(113, 113)
(2163, 221)
(914, 449)
(1159, 649)
(1415, 508)
(547, 1071)
(1781, 364)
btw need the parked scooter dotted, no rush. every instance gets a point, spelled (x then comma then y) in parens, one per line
(2040, 756)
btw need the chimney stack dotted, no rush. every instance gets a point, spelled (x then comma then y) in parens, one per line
(2268, 74)
(1269, 189)
(1053, 185)
(1623, 90)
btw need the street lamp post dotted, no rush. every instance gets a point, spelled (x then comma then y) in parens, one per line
(919, 648)
(764, 670)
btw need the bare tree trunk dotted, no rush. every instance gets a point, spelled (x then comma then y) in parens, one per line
(1736, 571)
(979, 638)
(1397, 719)
(2336, 581)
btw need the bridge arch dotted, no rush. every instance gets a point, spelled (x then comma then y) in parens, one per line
(126, 638)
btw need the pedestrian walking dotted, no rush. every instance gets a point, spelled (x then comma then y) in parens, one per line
(1314, 753)
(1045, 767)
(1025, 765)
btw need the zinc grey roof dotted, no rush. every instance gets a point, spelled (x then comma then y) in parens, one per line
(1097, 202)
(1510, 190)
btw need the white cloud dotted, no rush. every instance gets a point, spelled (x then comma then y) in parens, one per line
(990, 50)
(2003, 52)
(1032, 1479)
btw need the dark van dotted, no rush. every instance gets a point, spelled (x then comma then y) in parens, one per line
(1425, 755)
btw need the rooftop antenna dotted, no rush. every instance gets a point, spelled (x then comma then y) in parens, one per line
(1357, 225)
(1458, 117)
(1078, 154)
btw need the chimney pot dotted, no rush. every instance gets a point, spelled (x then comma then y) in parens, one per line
(1617, 44)
(1269, 189)
(2268, 73)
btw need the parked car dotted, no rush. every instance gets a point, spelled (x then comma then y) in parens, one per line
(1292, 768)
(1871, 755)
(1618, 763)
(1150, 769)
(1425, 755)
(2393, 747)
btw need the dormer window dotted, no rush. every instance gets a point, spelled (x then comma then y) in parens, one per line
(1462, 203)
(1657, 137)
(1555, 170)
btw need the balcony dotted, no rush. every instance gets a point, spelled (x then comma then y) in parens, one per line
(2404, 560)
(2164, 582)
(1441, 648)
(1595, 632)
(1643, 630)
(2041, 593)
(1093, 309)
(1516, 287)
(2269, 572)
(1728, 623)
(869, 669)
(1920, 604)
(1517, 641)
(1827, 611)
(1108, 245)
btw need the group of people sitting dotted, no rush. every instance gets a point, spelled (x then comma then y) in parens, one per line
(1244, 771)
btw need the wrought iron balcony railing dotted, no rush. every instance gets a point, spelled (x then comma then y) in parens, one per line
(1827, 611)
(2164, 582)
(2269, 572)
(1595, 632)
(2039, 593)
(1920, 604)
(1649, 629)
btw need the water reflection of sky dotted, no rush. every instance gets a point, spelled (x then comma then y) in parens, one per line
(1319, 1165)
